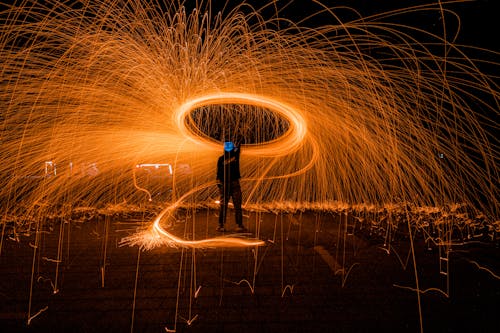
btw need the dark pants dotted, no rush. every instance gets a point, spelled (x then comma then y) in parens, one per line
(230, 190)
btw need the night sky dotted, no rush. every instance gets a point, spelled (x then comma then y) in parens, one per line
(479, 17)
(480, 22)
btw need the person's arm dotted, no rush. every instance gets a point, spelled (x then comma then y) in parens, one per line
(236, 172)
(237, 150)
(220, 172)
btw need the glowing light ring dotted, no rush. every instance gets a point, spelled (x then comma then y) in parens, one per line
(291, 139)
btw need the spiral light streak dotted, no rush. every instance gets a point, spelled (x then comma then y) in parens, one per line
(379, 112)
(158, 235)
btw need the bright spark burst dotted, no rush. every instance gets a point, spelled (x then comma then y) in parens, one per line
(372, 109)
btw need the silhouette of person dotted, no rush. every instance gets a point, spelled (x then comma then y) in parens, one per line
(228, 181)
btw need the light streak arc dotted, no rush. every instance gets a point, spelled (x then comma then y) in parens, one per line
(292, 139)
(378, 115)
(203, 243)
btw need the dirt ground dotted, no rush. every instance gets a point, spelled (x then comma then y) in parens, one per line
(312, 275)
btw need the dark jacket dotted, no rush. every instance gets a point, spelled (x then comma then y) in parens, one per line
(228, 166)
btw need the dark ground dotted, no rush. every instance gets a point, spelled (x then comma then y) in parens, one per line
(296, 283)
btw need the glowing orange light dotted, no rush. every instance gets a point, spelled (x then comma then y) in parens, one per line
(292, 139)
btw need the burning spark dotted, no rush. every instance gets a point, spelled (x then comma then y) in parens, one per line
(373, 115)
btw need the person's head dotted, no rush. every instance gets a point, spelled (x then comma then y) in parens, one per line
(228, 146)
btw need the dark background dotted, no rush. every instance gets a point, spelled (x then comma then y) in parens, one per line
(479, 18)
(479, 21)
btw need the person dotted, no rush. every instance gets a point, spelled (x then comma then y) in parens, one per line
(228, 181)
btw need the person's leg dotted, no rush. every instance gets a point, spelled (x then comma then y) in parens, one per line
(236, 195)
(224, 198)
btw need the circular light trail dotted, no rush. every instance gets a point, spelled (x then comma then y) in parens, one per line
(291, 139)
